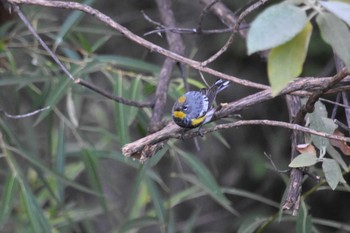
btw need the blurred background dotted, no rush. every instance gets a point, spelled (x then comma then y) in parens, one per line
(63, 171)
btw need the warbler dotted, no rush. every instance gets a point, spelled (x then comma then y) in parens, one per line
(195, 108)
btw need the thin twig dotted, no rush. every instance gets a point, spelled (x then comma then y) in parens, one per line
(310, 104)
(29, 114)
(203, 14)
(191, 31)
(336, 103)
(176, 45)
(114, 97)
(274, 165)
(42, 43)
(241, 17)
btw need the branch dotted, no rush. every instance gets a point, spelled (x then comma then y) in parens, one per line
(176, 45)
(226, 16)
(113, 97)
(292, 200)
(137, 39)
(174, 131)
(29, 114)
(310, 104)
(178, 30)
(235, 29)
(293, 190)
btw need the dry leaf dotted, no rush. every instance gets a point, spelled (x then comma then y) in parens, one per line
(306, 148)
(343, 147)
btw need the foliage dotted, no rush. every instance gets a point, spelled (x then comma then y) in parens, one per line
(289, 47)
(63, 171)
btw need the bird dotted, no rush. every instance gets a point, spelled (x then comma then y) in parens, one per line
(195, 108)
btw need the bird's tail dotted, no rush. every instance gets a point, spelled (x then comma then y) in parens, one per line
(217, 87)
(220, 85)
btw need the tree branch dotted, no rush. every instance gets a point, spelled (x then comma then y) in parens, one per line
(293, 193)
(137, 39)
(234, 31)
(174, 131)
(176, 45)
(225, 110)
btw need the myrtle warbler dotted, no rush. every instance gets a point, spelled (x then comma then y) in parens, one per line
(195, 108)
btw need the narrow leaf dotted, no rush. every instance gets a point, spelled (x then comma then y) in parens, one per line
(8, 193)
(58, 91)
(304, 224)
(275, 26)
(68, 24)
(60, 160)
(129, 63)
(135, 94)
(122, 112)
(138, 223)
(207, 180)
(157, 200)
(304, 160)
(285, 62)
(91, 164)
(251, 225)
(336, 33)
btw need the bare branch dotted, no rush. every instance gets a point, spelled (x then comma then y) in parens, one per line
(204, 13)
(234, 31)
(293, 190)
(29, 114)
(176, 45)
(174, 131)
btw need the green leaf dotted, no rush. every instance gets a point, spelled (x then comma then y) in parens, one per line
(275, 26)
(285, 62)
(304, 160)
(121, 112)
(129, 63)
(68, 24)
(58, 91)
(7, 195)
(190, 222)
(332, 173)
(336, 33)
(340, 9)
(91, 164)
(157, 200)
(337, 157)
(206, 178)
(304, 224)
(320, 122)
(136, 194)
(134, 94)
(60, 160)
(138, 223)
(251, 225)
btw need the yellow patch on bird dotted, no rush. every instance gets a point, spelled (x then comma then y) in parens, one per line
(181, 99)
(179, 114)
(195, 122)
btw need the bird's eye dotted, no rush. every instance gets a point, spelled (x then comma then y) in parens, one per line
(185, 107)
